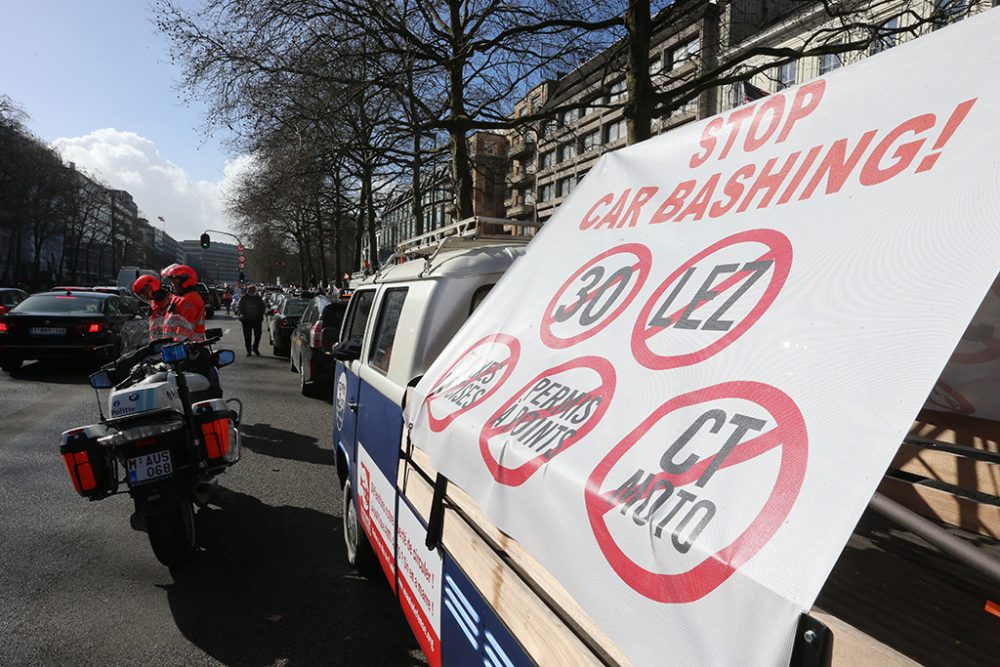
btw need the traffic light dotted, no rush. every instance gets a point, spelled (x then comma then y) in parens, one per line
(205, 240)
(243, 277)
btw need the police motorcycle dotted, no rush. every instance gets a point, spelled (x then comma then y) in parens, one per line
(169, 433)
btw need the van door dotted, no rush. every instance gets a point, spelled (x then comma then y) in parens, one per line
(346, 376)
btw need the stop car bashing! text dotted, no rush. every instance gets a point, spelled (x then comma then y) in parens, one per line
(873, 158)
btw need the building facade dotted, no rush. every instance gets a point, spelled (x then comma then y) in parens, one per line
(216, 265)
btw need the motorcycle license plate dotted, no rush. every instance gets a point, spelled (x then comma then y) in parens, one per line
(47, 331)
(146, 468)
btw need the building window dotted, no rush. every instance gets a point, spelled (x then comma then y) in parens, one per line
(614, 132)
(593, 106)
(549, 129)
(688, 107)
(885, 37)
(785, 76)
(536, 102)
(527, 197)
(655, 63)
(617, 93)
(564, 186)
(567, 152)
(569, 116)
(829, 62)
(949, 11)
(545, 192)
(546, 160)
(590, 141)
(685, 53)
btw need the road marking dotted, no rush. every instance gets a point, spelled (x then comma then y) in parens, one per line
(225, 332)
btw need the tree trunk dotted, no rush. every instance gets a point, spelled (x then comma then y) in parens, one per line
(458, 127)
(639, 107)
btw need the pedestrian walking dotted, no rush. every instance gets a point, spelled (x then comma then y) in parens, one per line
(250, 311)
(227, 298)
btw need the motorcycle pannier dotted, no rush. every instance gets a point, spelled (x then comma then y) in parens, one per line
(90, 465)
(215, 423)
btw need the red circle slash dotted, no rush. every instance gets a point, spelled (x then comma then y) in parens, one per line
(789, 434)
(603, 393)
(779, 250)
(513, 346)
(642, 264)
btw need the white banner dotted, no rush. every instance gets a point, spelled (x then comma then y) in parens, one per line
(682, 398)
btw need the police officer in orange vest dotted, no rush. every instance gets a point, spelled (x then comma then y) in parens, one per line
(186, 313)
(149, 290)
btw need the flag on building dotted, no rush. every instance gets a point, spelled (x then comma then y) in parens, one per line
(752, 92)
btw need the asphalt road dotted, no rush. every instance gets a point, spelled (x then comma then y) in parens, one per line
(269, 586)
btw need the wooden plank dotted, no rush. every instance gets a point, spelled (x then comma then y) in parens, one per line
(945, 507)
(851, 647)
(546, 639)
(979, 434)
(970, 474)
(540, 577)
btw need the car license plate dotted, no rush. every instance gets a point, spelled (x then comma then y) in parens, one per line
(148, 467)
(47, 331)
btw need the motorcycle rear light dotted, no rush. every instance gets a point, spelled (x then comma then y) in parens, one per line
(316, 335)
(214, 420)
(89, 465)
(81, 473)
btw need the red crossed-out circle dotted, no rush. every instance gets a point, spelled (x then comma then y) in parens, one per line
(519, 475)
(438, 424)
(779, 249)
(642, 265)
(789, 434)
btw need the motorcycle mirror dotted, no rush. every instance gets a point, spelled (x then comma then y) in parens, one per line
(101, 380)
(224, 358)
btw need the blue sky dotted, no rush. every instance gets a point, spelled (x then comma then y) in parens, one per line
(96, 80)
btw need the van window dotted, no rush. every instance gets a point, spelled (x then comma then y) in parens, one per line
(357, 315)
(478, 297)
(385, 331)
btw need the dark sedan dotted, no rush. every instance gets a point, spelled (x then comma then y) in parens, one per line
(63, 325)
(315, 367)
(282, 322)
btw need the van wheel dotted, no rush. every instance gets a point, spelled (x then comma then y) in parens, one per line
(359, 550)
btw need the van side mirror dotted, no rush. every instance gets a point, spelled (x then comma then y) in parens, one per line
(349, 350)
(329, 337)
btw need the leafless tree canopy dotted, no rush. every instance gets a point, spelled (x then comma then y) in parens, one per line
(341, 99)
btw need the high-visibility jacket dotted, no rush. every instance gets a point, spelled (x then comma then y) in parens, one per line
(158, 313)
(186, 317)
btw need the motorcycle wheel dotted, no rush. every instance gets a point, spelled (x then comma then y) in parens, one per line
(359, 550)
(171, 534)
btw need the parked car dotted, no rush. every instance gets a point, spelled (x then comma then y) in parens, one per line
(315, 367)
(63, 325)
(282, 323)
(133, 304)
(10, 297)
(206, 296)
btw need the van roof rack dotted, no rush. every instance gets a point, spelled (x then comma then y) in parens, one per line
(469, 233)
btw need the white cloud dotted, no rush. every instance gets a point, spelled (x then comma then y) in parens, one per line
(128, 161)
